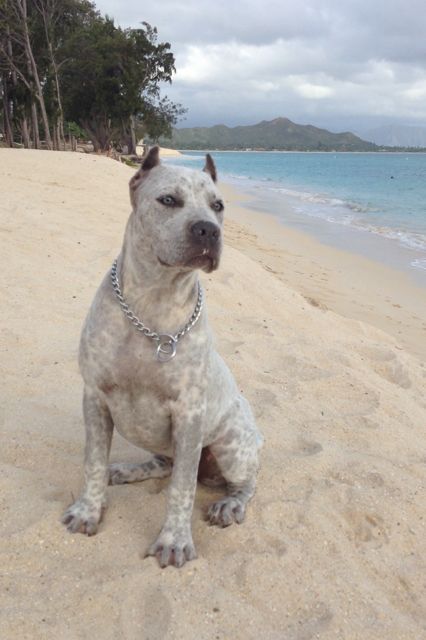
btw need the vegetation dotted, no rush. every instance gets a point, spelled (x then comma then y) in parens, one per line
(67, 71)
(279, 134)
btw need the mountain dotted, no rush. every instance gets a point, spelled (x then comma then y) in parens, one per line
(280, 134)
(397, 136)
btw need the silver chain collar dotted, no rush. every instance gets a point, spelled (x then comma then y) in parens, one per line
(166, 343)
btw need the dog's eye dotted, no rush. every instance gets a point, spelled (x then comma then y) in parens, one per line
(218, 206)
(168, 201)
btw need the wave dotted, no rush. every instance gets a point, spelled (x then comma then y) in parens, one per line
(347, 213)
(183, 158)
(418, 264)
(408, 239)
(318, 198)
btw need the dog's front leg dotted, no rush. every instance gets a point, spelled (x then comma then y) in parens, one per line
(85, 514)
(174, 545)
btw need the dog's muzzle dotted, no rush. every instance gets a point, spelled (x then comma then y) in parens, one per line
(205, 234)
(206, 245)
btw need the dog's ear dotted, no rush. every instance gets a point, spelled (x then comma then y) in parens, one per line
(149, 161)
(210, 167)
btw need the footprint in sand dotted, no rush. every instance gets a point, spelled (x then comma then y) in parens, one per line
(316, 303)
(394, 372)
(266, 398)
(350, 476)
(307, 448)
(146, 611)
(367, 528)
(362, 422)
(387, 365)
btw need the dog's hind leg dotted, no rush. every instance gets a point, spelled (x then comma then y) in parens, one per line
(126, 472)
(236, 454)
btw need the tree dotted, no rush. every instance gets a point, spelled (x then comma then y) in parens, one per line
(60, 61)
(158, 118)
(112, 77)
(59, 18)
(18, 56)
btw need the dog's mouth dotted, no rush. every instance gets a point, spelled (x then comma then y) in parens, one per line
(207, 260)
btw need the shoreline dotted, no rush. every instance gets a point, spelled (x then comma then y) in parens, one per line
(183, 151)
(372, 242)
(334, 215)
(350, 284)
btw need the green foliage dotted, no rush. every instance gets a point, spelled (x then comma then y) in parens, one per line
(72, 128)
(111, 74)
(158, 118)
(130, 163)
(104, 79)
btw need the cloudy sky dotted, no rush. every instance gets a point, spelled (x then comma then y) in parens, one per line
(341, 64)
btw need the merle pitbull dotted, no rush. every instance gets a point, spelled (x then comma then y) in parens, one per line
(171, 394)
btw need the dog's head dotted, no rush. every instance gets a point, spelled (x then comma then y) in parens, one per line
(178, 213)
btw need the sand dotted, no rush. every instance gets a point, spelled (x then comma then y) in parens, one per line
(350, 284)
(169, 153)
(334, 543)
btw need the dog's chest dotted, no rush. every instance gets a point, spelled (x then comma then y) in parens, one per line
(143, 417)
(139, 391)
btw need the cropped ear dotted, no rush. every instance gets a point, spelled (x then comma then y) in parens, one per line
(149, 161)
(210, 167)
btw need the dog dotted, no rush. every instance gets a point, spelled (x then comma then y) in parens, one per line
(168, 393)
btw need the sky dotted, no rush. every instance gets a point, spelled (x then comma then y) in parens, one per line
(339, 64)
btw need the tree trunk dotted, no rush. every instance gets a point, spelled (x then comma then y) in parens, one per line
(25, 133)
(47, 11)
(60, 140)
(33, 67)
(34, 123)
(61, 135)
(7, 127)
(13, 74)
(39, 96)
(99, 133)
(132, 148)
(60, 124)
(55, 137)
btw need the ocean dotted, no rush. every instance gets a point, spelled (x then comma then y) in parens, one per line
(370, 203)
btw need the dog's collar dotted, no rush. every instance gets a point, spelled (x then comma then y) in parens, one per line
(166, 343)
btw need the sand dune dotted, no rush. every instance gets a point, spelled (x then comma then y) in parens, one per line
(334, 544)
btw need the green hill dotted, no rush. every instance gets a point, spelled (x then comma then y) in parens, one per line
(280, 134)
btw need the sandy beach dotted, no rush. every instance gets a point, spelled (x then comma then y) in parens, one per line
(342, 281)
(328, 347)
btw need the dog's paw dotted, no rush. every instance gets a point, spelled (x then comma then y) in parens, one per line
(172, 549)
(83, 517)
(226, 511)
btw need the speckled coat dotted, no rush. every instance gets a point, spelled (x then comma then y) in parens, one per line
(181, 410)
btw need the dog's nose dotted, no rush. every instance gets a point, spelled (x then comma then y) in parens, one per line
(205, 232)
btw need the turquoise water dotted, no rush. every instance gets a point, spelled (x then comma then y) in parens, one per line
(375, 195)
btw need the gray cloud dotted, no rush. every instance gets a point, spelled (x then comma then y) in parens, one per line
(203, 21)
(329, 62)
